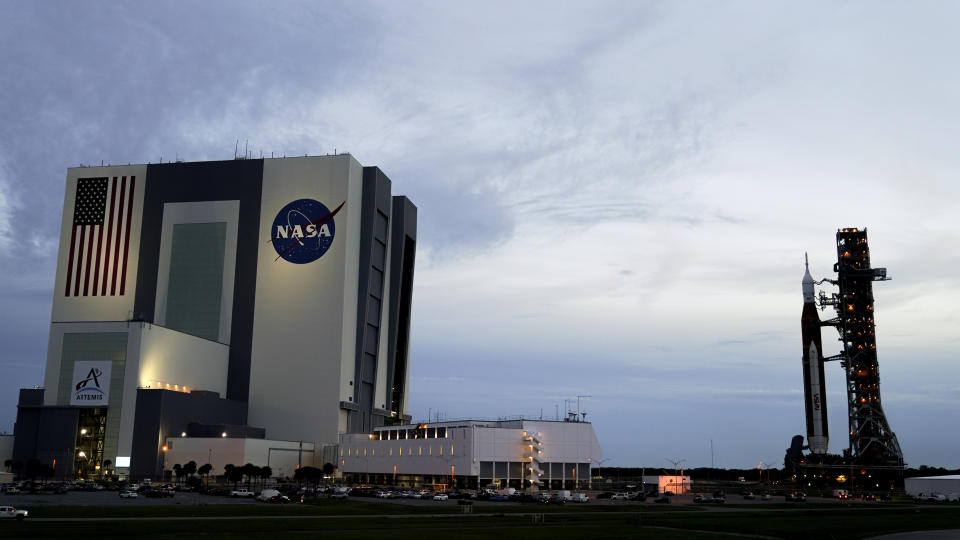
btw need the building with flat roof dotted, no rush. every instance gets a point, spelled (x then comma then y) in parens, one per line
(473, 454)
(251, 298)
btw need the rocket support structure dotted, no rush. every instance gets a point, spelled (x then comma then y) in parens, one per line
(814, 387)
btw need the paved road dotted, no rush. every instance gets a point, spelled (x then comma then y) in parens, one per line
(951, 534)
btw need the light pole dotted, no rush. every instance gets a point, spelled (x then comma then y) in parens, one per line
(163, 458)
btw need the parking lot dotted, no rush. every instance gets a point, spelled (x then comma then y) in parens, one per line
(109, 498)
(112, 498)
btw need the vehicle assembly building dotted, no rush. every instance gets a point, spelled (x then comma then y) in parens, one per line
(872, 443)
(255, 299)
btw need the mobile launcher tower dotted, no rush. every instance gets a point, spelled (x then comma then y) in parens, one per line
(873, 450)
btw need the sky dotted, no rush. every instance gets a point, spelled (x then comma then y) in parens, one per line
(615, 198)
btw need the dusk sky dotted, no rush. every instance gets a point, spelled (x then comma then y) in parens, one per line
(614, 198)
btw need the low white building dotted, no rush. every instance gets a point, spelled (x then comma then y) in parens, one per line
(676, 484)
(283, 457)
(473, 454)
(942, 485)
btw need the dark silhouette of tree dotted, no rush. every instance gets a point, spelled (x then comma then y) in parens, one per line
(265, 473)
(328, 468)
(178, 471)
(204, 470)
(33, 468)
(310, 475)
(234, 474)
(8, 463)
(46, 472)
(250, 471)
(190, 468)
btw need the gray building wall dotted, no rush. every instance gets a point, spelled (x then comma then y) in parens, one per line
(196, 279)
(403, 247)
(374, 231)
(240, 180)
(162, 413)
(94, 346)
(47, 434)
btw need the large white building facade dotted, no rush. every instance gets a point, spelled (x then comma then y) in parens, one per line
(260, 299)
(473, 454)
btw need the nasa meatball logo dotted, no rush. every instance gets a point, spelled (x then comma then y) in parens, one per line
(303, 231)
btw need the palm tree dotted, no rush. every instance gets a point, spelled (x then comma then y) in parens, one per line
(190, 468)
(233, 473)
(265, 473)
(204, 470)
(178, 471)
(250, 471)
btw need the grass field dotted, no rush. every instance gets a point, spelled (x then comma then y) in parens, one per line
(353, 519)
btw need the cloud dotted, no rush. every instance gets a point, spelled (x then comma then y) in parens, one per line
(7, 205)
(613, 198)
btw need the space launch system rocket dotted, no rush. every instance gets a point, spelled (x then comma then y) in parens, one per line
(814, 388)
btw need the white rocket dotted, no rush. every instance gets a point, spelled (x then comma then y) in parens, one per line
(814, 389)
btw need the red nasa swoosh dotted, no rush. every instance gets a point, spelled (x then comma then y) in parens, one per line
(318, 221)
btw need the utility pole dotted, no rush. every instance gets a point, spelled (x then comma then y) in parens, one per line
(578, 402)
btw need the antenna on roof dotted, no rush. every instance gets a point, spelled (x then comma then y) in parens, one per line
(236, 146)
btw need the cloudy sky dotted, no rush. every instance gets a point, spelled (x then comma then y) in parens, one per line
(615, 197)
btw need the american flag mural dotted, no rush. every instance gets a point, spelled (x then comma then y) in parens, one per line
(100, 237)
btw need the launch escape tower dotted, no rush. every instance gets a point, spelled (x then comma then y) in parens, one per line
(871, 440)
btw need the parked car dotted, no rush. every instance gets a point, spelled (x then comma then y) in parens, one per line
(13, 490)
(9, 512)
(242, 492)
(619, 497)
(579, 498)
(749, 496)
(127, 494)
(663, 499)
(441, 497)
(267, 494)
(796, 496)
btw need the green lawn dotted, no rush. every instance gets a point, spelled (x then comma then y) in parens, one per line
(350, 519)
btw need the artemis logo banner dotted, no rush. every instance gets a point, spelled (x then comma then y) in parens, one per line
(303, 231)
(91, 384)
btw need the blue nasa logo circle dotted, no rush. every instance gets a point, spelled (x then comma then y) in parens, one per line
(303, 231)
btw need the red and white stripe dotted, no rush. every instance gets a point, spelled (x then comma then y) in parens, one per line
(97, 263)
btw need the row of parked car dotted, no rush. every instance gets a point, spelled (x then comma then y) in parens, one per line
(507, 495)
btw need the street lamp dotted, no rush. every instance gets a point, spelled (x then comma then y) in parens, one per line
(676, 465)
(163, 458)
